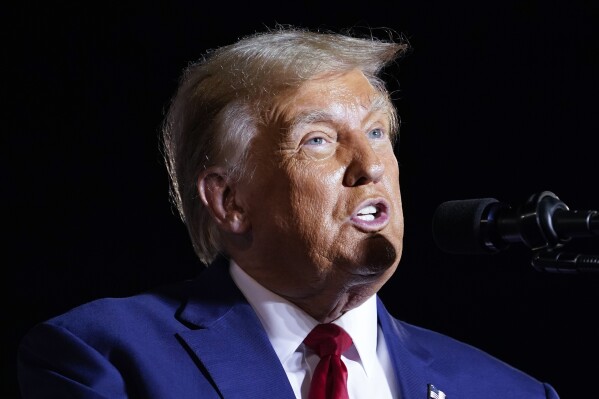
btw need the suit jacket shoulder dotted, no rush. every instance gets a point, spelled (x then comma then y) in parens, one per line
(423, 357)
(194, 339)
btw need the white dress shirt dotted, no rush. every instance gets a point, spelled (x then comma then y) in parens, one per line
(370, 372)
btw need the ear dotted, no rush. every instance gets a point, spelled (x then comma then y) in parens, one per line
(218, 195)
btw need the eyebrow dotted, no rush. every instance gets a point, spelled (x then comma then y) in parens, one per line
(309, 117)
(317, 116)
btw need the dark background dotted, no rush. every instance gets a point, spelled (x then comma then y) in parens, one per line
(497, 99)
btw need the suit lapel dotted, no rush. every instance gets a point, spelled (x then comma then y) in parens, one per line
(229, 340)
(410, 360)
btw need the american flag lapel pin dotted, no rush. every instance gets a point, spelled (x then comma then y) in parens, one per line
(434, 392)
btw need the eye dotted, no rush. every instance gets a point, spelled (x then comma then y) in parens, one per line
(315, 141)
(376, 134)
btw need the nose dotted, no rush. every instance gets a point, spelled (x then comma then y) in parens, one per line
(365, 166)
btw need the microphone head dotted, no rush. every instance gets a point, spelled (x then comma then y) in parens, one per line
(457, 226)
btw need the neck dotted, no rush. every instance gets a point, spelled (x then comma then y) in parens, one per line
(328, 305)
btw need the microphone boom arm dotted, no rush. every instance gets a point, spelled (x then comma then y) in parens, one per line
(564, 263)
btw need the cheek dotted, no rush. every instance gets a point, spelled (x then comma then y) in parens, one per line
(315, 197)
(392, 186)
(392, 180)
(311, 205)
(316, 188)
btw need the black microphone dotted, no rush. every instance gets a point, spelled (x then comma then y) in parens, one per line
(486, 225)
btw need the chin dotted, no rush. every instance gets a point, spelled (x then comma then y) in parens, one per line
(375, 256)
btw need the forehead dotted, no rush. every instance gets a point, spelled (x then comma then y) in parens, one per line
(348, 97)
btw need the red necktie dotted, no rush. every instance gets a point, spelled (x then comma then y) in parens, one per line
(329, 381)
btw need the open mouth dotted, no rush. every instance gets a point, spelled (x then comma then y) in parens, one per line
(371, 215)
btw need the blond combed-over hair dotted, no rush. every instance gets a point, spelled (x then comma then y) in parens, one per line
(222, 102)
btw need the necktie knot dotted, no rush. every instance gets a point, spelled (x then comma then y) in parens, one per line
(328, 339)
(329, 380)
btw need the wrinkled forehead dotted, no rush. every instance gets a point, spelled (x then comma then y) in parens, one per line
(349, 97)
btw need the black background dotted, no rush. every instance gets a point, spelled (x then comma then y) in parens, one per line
(497, 99)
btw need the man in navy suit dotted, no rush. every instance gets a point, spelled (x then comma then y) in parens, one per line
(280, 152)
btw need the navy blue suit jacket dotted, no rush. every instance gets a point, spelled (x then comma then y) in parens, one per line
(201, 339)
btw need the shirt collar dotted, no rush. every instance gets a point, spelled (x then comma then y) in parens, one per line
(287, 325)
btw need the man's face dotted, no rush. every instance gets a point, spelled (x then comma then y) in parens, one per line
(322, 194)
